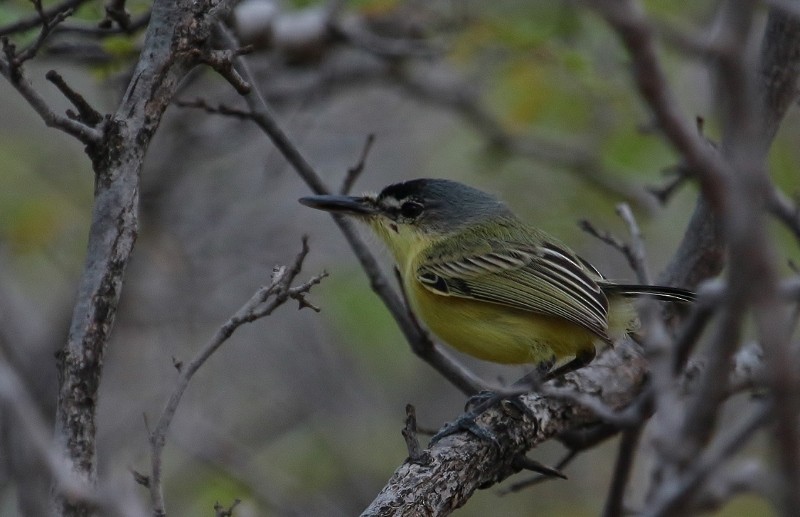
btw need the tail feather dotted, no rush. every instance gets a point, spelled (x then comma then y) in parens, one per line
(663, 293)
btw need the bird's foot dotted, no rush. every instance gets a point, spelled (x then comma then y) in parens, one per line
(475, 407)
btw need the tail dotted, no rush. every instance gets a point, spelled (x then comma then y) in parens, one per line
(663, 293)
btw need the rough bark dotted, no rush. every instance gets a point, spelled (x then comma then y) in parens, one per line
(178, 35)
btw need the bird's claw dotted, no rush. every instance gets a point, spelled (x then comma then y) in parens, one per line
(465, 423)
(474, 407)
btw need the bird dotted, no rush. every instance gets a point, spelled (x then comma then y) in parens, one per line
(490, 285)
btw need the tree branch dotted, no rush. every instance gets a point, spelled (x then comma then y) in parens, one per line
(175, 30)
(260, 305)
(463, 463)
(12, 71)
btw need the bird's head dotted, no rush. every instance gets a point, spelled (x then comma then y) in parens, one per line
(409, 216)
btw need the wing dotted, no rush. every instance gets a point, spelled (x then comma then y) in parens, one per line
(543, 278)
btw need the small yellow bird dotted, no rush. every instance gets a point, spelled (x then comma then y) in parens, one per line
(490, 285)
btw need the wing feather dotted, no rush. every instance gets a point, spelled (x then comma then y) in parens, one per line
(545, 279)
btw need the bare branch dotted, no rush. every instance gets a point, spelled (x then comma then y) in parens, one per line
(86, 113)
(220, 109)
(48, 24)
(86, 134)
(261, 304)
(355, 171)
(638, 255)
(627, 18)
(462, 463)
(634, 254)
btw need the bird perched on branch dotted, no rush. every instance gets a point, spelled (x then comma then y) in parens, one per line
(490, 285)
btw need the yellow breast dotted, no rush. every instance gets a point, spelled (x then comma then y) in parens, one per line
(484, 330)
(495, 332)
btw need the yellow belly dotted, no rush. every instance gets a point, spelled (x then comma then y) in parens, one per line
(495, 332)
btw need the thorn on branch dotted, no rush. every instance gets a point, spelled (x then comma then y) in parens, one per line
(177, 363)
(86, 113)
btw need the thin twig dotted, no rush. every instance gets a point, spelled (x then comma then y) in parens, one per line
(220, 109)
(355, 171)
(615, 242)
(261, 304)
(86, 113)
(48, 24)
(632, 26)
(84, 133)
(638, 256)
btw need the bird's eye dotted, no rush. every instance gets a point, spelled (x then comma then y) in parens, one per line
(410, 209)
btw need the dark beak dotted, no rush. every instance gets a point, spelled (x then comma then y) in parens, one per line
(341, 204)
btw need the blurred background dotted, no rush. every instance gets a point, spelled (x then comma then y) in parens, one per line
(300, 413)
